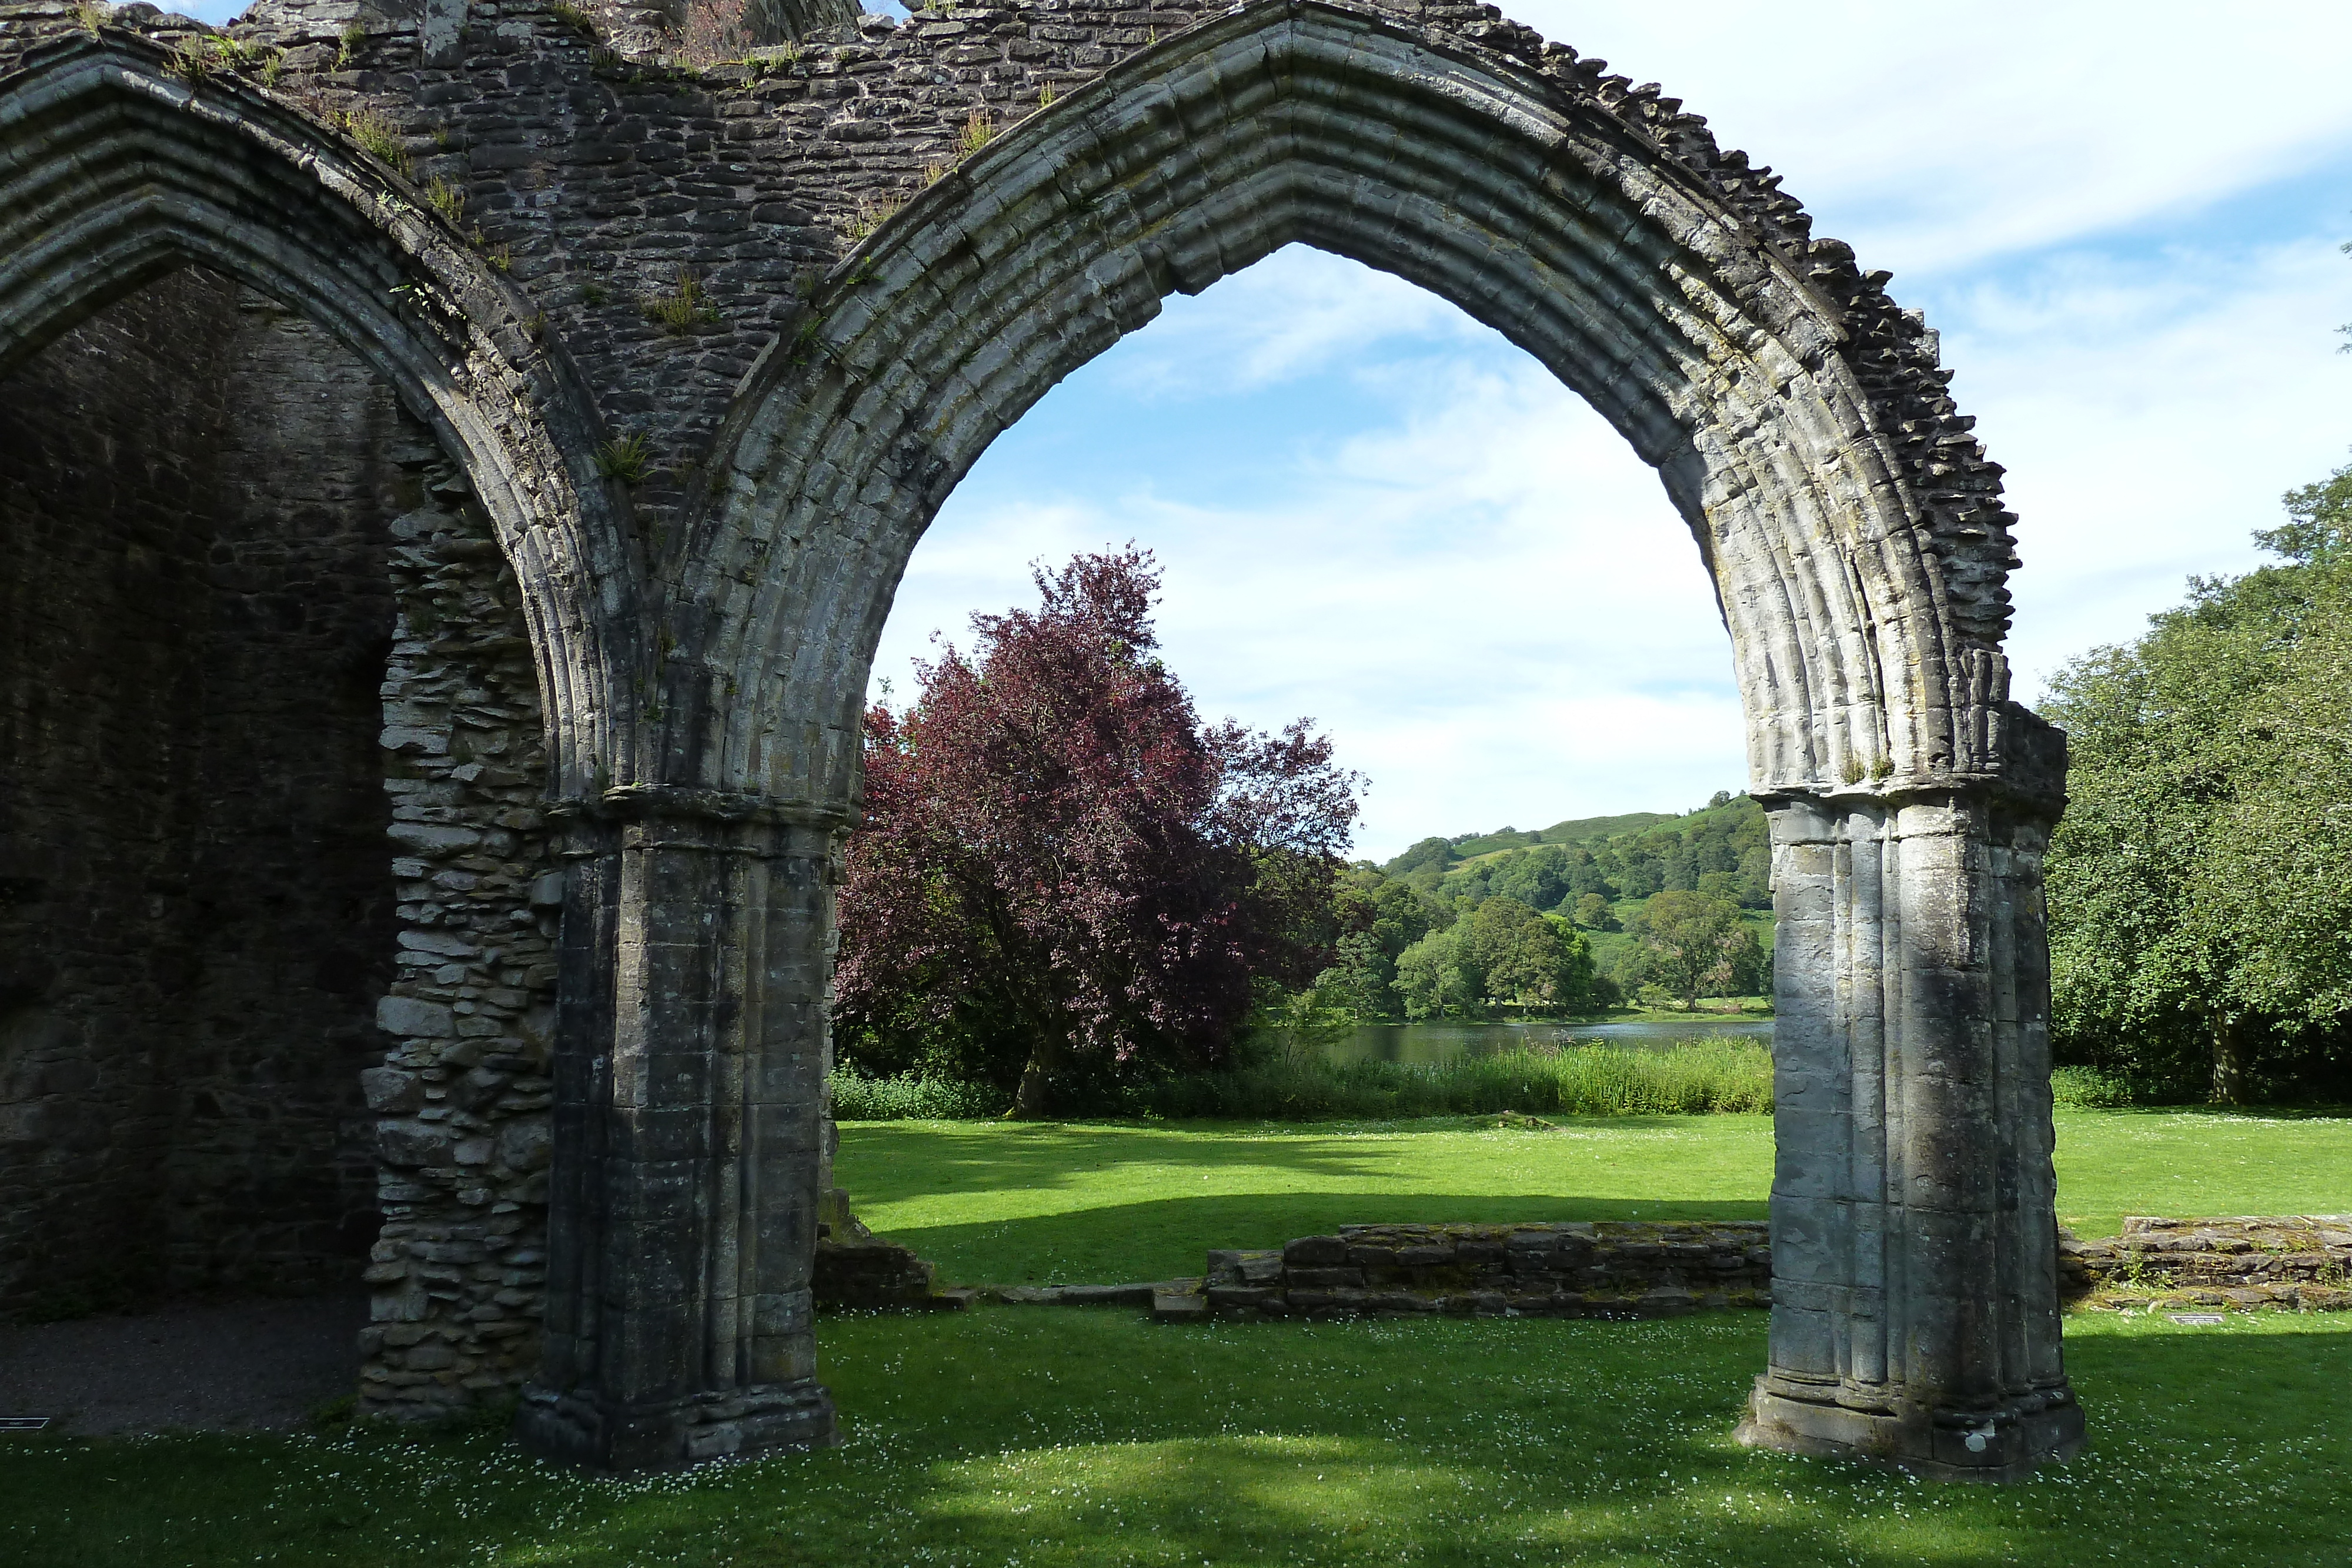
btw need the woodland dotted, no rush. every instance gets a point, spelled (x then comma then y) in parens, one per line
(1069, 885)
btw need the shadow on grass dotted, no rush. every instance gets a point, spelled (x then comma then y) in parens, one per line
(1054, 1437)
(1117, 1208)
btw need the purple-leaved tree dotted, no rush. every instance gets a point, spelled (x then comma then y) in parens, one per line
(1061, 871)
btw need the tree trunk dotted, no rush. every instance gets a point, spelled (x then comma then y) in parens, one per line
(2229, 1060)
(1029, 1100)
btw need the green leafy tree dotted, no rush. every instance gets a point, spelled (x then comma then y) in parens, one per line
(1585, 875)
(1438, 852)
(1693, 945)
(1502, 953)
(1375, 918)
(1433, 981)
(1545, 966)
(2200, 883)
(1592, 912)
(1536, 877)
(1300, 1025)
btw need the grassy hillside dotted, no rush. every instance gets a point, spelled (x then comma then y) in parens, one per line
(1600, 873)
(1575, 830)
(1591, 830)
(1727, 835)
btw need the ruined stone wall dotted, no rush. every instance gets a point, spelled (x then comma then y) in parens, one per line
(1575, 1268)
(2301, 1263)
(269, 791)
(199, 914)
(96, 772)
(667, 230)
(668, 220)
(461, 1100)
(601, 169)
(268, 1182)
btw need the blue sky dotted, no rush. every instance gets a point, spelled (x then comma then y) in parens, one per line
(2124, 219)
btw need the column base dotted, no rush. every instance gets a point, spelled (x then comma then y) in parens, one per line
(2006, 1444)
(580, 1429)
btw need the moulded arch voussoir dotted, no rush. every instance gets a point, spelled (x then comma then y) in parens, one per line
(1474, 179)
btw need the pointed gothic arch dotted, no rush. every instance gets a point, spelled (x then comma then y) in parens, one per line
(702, 688)
(1853, 529)
(115, 170)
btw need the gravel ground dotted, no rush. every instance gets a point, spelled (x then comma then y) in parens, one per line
(216, 1366)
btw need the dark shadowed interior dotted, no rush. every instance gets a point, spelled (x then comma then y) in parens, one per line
(196, 897)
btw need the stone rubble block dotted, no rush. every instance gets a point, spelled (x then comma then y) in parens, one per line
(2299, 1262)
(1579, 1269)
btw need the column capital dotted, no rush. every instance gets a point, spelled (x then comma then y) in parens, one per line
(691, 803)
(706, 822)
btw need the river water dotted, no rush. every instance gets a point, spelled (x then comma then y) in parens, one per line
(1428, 1042)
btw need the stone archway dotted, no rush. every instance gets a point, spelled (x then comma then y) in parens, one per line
(701, 650)
(1798, 420)
(114, 170)
(143, 209)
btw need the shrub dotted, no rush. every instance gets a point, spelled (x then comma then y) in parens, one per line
(1696, 1076)
(684, 308)
(872, 210)
(856, 1098)
(378, 136)
(448, 199)
(576, 17)
(2088, 1088)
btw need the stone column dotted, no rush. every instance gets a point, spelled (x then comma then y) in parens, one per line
(690, 1084)
(1914, 1293)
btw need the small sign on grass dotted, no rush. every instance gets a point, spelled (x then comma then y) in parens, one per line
(2197, 1320)
(23, 1423)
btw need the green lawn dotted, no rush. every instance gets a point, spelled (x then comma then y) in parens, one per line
(1055, 1437)
(1009, 1203)
(1051, 1436)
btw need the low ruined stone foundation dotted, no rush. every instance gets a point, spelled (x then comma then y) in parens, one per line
(1604, 1269)
(2291, 1262)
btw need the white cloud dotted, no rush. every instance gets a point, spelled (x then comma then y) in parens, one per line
(1939, 136)
(2149, 412)
(1273, 324)
(1484, 597)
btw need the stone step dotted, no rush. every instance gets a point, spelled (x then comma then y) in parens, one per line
(1129, 1295)
(1179, 1307)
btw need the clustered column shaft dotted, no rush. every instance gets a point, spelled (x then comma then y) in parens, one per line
(690, 1081)
(1915, 1312)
